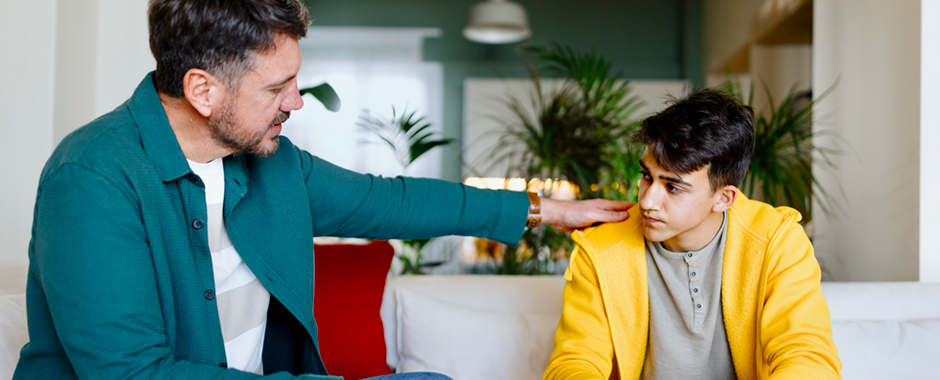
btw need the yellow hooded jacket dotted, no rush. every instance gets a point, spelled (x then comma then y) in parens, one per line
(776, 318)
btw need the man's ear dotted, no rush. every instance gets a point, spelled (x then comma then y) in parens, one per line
(724, 198)
(202, 90)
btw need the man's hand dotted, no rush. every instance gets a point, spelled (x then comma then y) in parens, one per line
(571, 215)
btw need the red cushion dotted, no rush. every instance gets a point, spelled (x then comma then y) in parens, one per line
(349, 283)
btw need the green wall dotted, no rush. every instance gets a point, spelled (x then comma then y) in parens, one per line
(646, 39)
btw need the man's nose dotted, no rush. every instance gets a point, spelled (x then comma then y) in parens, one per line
(293, 101)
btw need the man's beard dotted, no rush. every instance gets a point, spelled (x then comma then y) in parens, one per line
(225, 132)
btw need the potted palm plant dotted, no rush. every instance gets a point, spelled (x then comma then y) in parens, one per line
(580, 133)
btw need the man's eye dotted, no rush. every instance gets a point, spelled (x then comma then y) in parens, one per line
(277, 90)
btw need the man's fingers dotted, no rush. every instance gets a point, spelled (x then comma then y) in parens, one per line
(614, 205)
(611, 216)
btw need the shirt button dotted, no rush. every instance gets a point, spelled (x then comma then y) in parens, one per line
(198, 223)
(209, 294)
(690, 254)
(695, 290)
(223, 365)
(699, 306)
(192, 178)
(693, 274)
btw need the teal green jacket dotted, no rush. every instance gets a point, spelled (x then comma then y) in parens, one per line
(120, 279)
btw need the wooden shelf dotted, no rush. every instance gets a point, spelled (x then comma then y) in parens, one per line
(784, 22)
(737, 63)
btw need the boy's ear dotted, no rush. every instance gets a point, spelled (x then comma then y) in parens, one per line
(724, 198)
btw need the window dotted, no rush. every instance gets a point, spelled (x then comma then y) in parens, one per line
(374, 69)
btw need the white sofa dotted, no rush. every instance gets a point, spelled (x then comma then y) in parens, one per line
(501, 327)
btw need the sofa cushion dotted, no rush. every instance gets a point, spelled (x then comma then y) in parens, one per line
(348, 290)
(470, 344)
(540, 295)
(13, 335)
(888, 349)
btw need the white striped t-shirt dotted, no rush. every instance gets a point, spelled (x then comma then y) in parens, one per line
(241, 299)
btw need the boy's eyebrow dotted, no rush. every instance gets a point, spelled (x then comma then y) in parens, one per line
(667, 178)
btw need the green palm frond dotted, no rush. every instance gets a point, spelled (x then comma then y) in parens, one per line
(406, 135)
(325, 94)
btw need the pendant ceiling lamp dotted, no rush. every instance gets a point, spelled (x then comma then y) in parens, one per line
(497, 22)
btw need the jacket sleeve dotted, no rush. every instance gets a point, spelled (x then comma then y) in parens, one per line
(796, 333)
(583, 346)
(92, 267)
(349, 204)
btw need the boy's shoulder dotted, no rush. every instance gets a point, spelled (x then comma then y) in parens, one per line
(760, 219)
(604, 237)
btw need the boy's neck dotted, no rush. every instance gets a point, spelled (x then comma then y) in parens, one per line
(697, 237)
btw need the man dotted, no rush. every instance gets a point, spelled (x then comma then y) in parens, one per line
(173, 236)
(700, 282)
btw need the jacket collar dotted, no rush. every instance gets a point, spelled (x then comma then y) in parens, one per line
(158, 139)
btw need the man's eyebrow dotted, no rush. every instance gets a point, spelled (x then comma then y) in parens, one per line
(667, 178)
(284, 81)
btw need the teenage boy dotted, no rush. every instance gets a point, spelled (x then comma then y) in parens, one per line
(700, 282)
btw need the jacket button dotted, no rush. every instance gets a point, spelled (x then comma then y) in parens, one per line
(209, 294)
(198, 223)
(223, 365)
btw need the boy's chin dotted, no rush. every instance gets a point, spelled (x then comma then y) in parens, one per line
(655, 236)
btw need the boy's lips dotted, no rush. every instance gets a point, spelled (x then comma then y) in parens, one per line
(650, 220)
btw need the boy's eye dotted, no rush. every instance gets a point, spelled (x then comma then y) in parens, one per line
(645, 175)
(673, 188)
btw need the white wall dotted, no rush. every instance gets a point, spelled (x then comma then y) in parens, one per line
(102, 53)
(873, 48)
(122, 52)
(75, 72)
(26, 82)
(929, 141)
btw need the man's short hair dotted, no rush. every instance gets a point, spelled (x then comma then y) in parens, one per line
(708, 127)
(218, 36)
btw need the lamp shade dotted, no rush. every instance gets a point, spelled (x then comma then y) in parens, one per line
(497, 22)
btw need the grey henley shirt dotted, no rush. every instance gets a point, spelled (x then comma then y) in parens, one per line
(687, 338)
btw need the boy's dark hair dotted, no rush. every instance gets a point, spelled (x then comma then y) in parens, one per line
(708, 127)
(219, 36)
